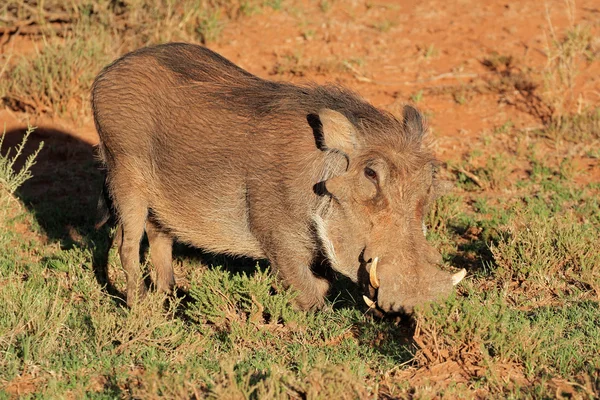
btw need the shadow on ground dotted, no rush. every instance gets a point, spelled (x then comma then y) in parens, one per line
(63, 192)
(65, 183)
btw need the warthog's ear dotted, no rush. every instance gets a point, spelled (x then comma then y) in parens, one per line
(413, 123)
(338, 131)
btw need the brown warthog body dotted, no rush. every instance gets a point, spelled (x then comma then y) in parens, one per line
(197, 149)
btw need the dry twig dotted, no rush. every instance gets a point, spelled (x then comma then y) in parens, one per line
(469, 175)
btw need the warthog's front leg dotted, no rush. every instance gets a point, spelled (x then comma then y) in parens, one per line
(292, 263)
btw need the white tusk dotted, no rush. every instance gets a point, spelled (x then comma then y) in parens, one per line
(457, 277)
(370, 303)
(373, 273)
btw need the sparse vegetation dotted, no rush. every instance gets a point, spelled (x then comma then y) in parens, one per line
(297, 64)
(566, 53)
(575, 128)
(57, 76)
(11, 180)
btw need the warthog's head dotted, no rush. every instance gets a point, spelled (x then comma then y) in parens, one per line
(374, 229)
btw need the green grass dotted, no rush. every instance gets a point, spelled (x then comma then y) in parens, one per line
(525, 323)
(532, 300)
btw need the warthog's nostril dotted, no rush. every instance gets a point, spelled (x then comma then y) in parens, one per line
(373, 273)
(457, 277)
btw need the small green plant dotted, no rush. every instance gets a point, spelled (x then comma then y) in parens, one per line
(325, 5)
(462, 95)
(274, 4)
(417, 97)
(498, 62)
(355, 61)
(291, 63)
(309, 34)
(497, 171)
(11, 180)
(248, 8)
(430, 52)
(210, 27)
(504, 128)
(384, 26)
(593, 153)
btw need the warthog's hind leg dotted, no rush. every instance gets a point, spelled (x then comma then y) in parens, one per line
(161, 245)
(132, 213)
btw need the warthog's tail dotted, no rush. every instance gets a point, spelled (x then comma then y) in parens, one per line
(104, 207)
(105, 213)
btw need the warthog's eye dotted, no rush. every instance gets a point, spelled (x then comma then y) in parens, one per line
(372, 175)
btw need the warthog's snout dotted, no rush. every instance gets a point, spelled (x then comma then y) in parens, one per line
(403, 293)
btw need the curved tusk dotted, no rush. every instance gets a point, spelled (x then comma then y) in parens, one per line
(370, 303)
(457, 277)
(373, 273)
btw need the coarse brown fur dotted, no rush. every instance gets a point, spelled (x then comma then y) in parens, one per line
(199, 150)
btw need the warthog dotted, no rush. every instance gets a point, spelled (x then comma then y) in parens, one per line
(199, 150)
